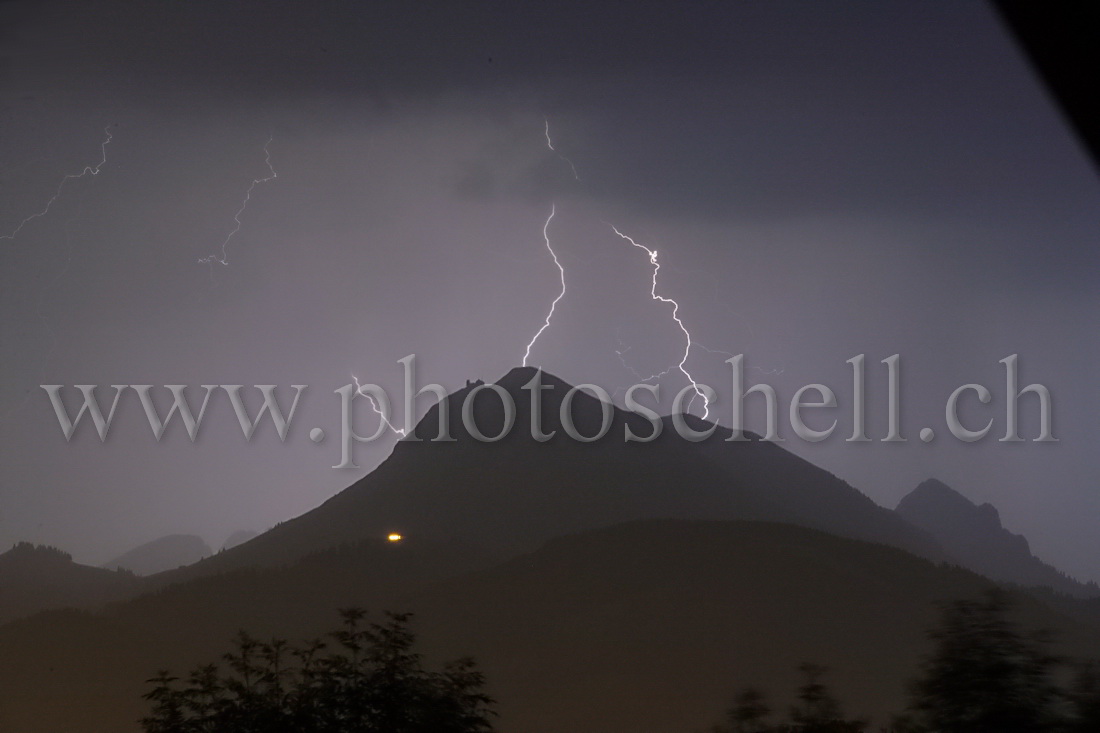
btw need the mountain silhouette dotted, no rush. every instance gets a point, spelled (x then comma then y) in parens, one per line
(511, 495)
(36, 577)
(973, 535)
(162, 554)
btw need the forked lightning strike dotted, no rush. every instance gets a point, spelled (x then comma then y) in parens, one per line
(621, 352)
(223, 258)
(561, 271)
(676, 317)
(88, 170)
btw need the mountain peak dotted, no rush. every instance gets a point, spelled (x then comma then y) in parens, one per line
(933, 496)
(578, 472)
(934, 489)
(488, 413)
(519, 376)
(974, 536)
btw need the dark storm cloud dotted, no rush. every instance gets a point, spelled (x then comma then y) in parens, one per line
(386, 46)
(817, 117)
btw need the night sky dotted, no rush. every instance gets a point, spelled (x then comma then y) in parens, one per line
(820, 180)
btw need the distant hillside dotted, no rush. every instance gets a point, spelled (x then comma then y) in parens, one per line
(974, 536)
(238, 538)
(645, 627)
(36, 577)
(513, 494)
(162, 554)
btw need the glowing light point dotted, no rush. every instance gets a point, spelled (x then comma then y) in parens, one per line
(394, 537)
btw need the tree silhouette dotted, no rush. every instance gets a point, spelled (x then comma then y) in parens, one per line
(816, 711)
(1084, 697)
(168, 714)
(749, 712)
(371, 681)
(985, 674)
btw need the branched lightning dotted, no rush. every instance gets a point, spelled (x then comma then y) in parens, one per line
(92, 170)
(621, 353)
(550, 144)
(561, 272)
(374, 406)
(676, 317)
(768, 372)
(223, 258)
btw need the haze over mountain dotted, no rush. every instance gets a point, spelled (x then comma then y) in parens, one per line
(162, 554)
(238, 538)
(973, 535)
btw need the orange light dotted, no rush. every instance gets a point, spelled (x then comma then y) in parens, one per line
(394, 537)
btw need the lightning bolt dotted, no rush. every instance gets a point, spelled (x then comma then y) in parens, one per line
(527, 354)
(561, 271)
(767, 372)
(377, 410)
(92, 170)
(676, 317)
(621, 353)
(550, 144)
(223, 258)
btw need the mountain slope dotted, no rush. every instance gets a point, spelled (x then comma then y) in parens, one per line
(35, 578)
(513, 494)
(647, 626)
(650, 626)
(974, 536)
